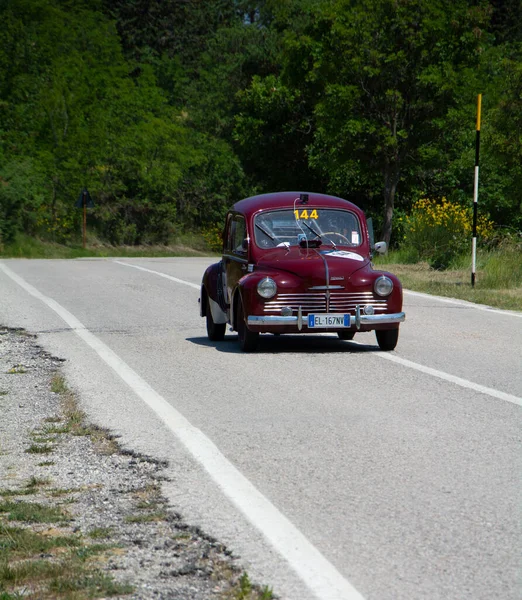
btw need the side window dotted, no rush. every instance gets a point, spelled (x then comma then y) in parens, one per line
(238, 235)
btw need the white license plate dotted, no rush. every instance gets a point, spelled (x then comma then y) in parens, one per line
(328, 320)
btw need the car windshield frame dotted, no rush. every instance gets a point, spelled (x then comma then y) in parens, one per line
(307, 226)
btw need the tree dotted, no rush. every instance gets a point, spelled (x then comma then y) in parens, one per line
(385, 75)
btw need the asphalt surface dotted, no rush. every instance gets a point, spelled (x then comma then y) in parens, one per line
(334, 470)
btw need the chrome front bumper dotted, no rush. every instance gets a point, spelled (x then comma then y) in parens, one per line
(358, 319)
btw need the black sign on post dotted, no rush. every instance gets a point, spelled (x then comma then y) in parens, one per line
(84, 197)
(84, 201)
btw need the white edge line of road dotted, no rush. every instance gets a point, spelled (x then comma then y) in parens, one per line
(316, 572)
(498, 311)
(164, 275)
(397, 359)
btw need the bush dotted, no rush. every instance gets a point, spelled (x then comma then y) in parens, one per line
(214, 238)
(438, 232)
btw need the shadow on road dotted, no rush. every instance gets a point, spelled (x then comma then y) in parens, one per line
(272, 344)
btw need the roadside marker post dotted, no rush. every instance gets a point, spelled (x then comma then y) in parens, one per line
(84, 201)
(475, 195)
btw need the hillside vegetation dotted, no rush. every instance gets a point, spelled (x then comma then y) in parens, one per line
(168, 111)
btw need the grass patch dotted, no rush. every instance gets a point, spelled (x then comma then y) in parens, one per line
(46, 463)
(31, 512)
(18, 492)
(24, 543)
(39, 449)
(498, 279)
(244, 590)
(52, 565)
(55, 429)
(39, 437)
(188, 244)
(90, 585)
(32, 487)
(99, 533)
(36, 482)
(3, 393)
(53, 420)
(58, 385)
(17, 370)
(147, 517)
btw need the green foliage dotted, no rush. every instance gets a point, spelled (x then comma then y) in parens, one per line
(384, 76)
(169, 112)
(438, 232)
(75, 114)
(214, 238)
(272, 130)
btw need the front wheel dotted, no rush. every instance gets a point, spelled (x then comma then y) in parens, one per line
(387, 338)
(247, 339)
(215, 331)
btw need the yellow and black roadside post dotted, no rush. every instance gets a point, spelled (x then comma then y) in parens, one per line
(84, 201)
(475, 195)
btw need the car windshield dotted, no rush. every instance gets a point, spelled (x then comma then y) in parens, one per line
(307, 226)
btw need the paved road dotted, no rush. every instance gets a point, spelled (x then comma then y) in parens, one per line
(333, 469)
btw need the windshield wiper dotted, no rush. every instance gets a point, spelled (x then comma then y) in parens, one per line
(311, 229)
(319, 235)
(266, 232)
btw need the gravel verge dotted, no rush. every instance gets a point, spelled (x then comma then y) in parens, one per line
(109, 495)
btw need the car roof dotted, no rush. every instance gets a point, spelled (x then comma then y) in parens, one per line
(275, 200)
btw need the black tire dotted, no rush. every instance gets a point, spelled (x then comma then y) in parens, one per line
(387, 339)
(215, 331)
(346, 335)
(247, 339)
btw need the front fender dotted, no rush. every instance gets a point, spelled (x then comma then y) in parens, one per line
(212, 294)
(246, 290)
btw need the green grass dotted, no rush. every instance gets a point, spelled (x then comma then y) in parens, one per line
(58, 385)
(34, 565)
(498, 277)
(31, 512)
(244, 590)
(100, 533)
(189, 244)
(39, 449)
(23, 543)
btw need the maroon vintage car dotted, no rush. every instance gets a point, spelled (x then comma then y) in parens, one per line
(297, 262)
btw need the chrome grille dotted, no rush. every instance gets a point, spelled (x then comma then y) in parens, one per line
(340, 302)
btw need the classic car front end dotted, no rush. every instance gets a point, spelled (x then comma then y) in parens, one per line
(299, 263)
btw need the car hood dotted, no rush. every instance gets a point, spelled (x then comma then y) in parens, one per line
(309, 263)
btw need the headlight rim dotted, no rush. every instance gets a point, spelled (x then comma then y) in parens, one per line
(378, 290)
(267, 280)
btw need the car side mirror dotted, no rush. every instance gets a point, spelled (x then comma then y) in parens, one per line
(380, 247)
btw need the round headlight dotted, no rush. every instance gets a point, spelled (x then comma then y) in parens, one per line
(383, 286)
(267, 287)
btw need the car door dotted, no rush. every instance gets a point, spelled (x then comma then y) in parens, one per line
(235, 255)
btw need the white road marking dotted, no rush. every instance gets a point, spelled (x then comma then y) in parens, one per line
(451, 378)
(488, 309)
(318, 574)
(193, 285)
(408, 363)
